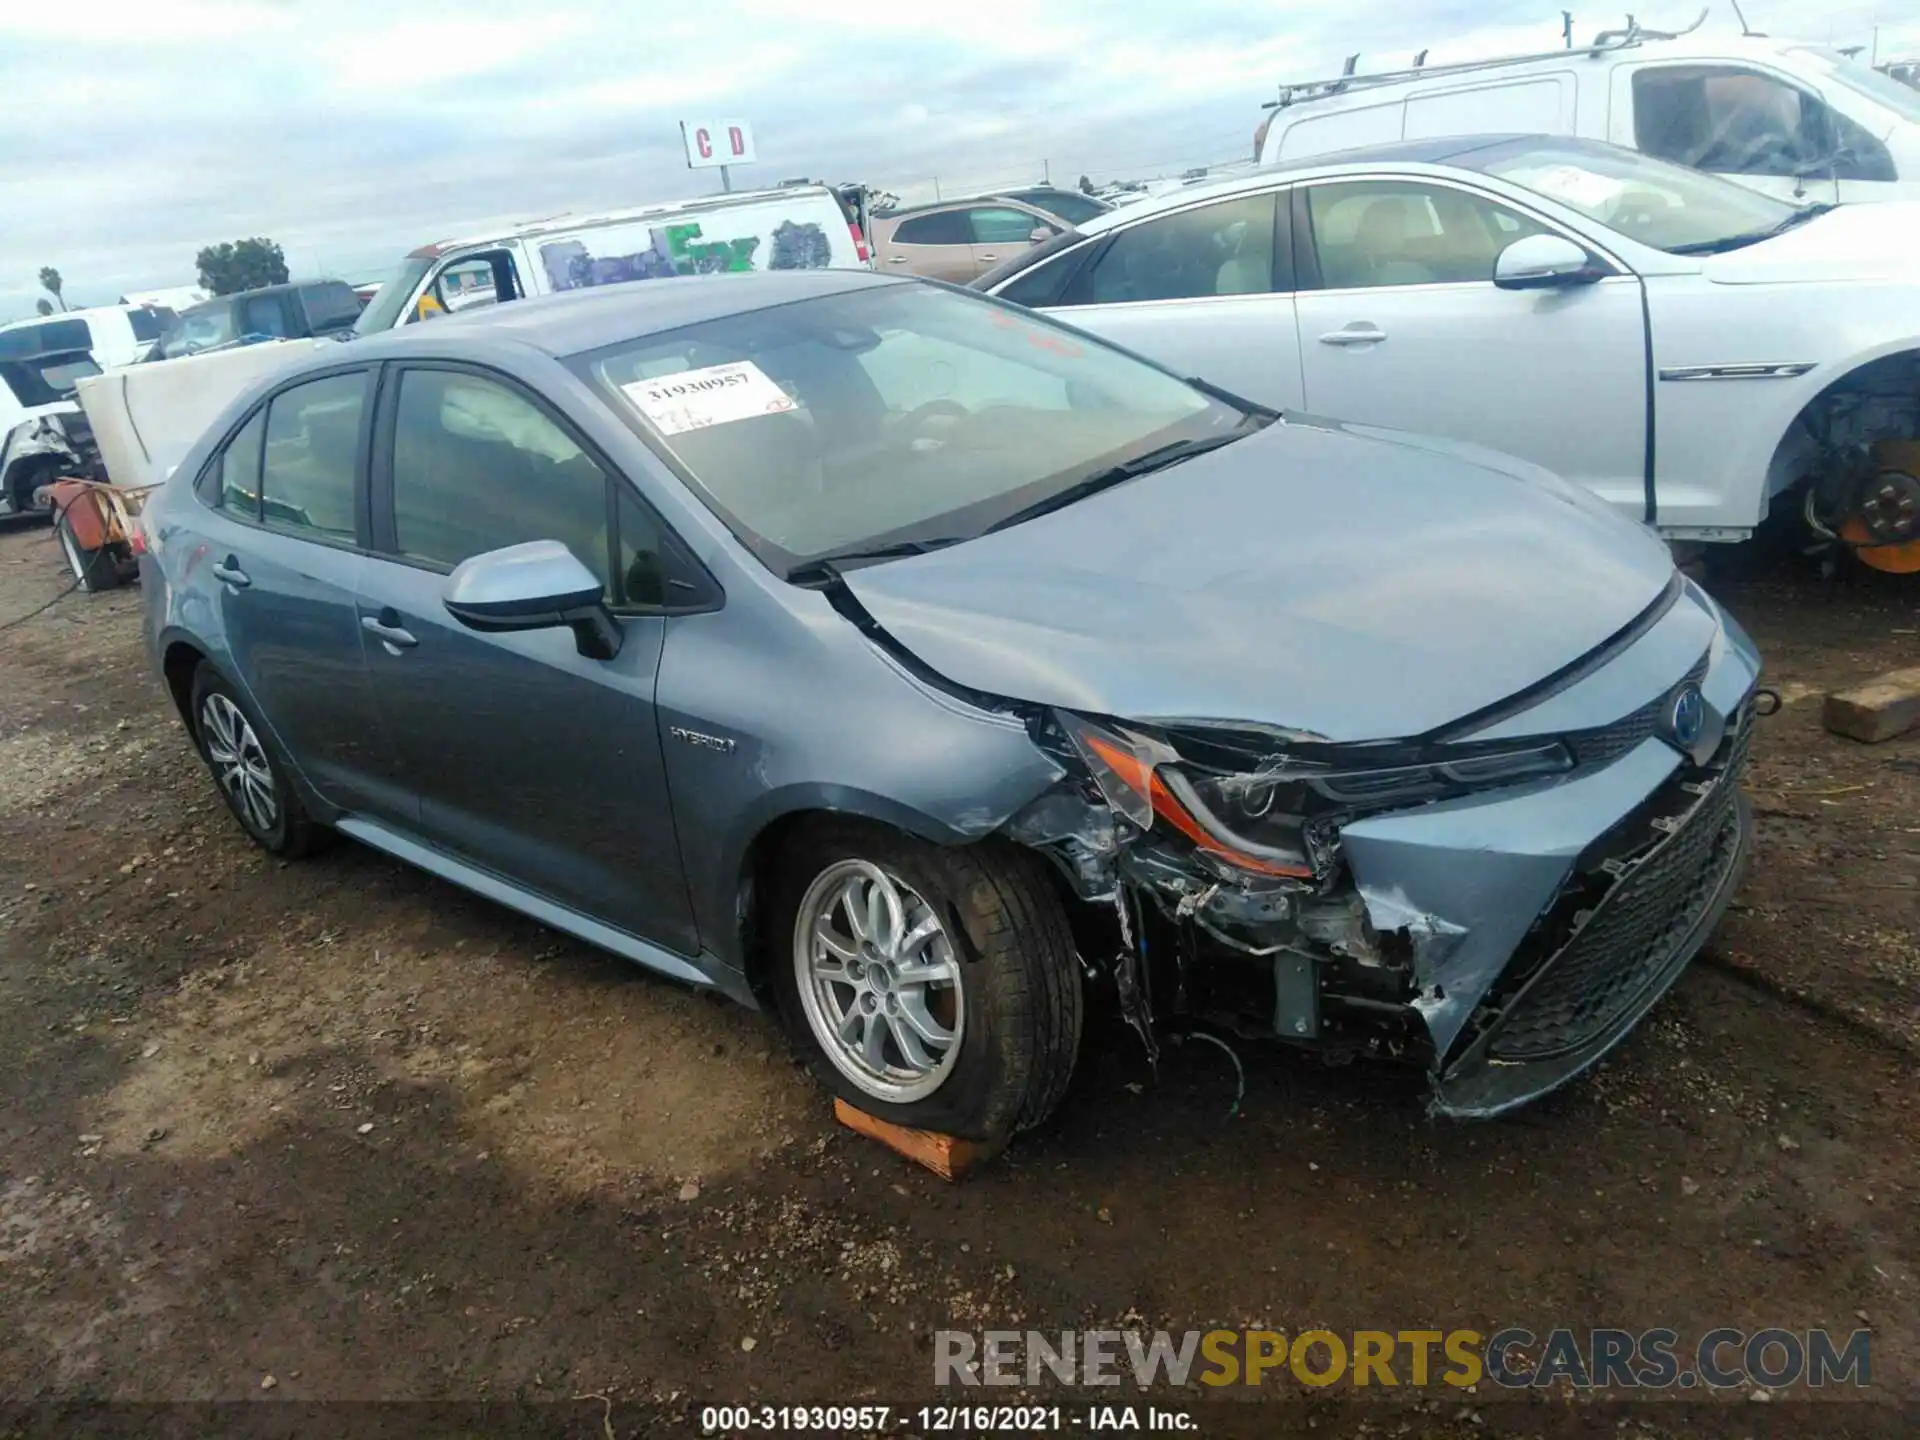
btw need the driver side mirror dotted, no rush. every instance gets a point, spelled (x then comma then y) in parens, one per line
(540, 585)
(1543, 262)
(1041, 234)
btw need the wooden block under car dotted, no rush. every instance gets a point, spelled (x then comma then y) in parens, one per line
(947, 1156)
(1877, 710)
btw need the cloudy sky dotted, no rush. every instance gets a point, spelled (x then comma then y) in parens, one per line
(351, 130)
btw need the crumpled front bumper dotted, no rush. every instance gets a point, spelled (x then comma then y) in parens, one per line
(1546, 920)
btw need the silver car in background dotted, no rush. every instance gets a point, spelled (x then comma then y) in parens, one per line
(1683, 347)
(916, 665)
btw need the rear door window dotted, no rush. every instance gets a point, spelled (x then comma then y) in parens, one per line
(1225, 248)
(942, 227)
(308, 473)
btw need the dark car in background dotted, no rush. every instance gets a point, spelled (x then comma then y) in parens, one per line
(294, 311)
(1070, 205)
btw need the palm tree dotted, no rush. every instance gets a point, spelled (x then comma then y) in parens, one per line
(50, 282)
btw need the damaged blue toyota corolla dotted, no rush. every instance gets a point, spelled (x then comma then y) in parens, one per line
(913, 664)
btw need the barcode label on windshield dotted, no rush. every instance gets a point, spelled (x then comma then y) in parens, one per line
(715, 395)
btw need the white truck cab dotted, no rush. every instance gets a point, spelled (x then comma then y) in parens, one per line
(796, 227)
(1797, 121)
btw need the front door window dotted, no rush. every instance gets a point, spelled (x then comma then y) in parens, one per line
(1373, 233)
(478, 467)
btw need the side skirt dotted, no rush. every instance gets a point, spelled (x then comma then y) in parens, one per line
(709, 972)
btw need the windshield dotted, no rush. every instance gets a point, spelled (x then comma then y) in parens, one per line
(383, 311)
(149, 322)
(198, 329)
(1666, 206)
(891, 414)
(1884, 90)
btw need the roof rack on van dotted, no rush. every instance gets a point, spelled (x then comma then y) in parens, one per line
(1632, 33)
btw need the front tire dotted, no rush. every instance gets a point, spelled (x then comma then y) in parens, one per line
(931, 986)
(251, 778)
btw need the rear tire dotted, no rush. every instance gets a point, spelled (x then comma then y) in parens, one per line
(966, 942)
(250, 776)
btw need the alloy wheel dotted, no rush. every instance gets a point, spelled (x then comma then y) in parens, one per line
(879, 981)
(239, 763)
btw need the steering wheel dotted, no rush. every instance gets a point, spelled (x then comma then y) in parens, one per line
(916, 419)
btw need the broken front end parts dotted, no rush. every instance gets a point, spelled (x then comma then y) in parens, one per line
(1484, 912)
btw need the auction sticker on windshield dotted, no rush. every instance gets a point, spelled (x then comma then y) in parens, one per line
(715, 395)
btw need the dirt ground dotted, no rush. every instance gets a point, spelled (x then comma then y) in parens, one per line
(338, 1131)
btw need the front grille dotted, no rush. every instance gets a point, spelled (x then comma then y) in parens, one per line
(1610, 742)
(1631, 935)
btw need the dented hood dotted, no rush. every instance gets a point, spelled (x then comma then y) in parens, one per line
(1312, 576)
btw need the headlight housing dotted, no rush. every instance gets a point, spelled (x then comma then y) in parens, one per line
(1277, 817)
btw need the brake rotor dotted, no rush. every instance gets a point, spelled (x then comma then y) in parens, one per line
(1885, 529)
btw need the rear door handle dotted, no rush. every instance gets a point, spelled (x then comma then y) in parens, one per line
(1360, 332)
(228, 572)
(896, 259)
(395, 636)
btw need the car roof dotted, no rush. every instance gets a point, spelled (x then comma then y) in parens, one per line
(561, 224)
(214, 301)
(575, 321)
(1438, 152)
(953, 202)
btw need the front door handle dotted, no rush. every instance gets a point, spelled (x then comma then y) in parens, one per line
(228, 572)
(395, 636)
(1360, 332)
(986, 257)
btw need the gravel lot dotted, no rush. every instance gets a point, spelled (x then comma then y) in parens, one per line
(343, 1128)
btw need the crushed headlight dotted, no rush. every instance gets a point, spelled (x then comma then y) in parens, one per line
(1276, 817)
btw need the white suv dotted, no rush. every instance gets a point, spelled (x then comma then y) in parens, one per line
(1684, 347)
(1797, 121)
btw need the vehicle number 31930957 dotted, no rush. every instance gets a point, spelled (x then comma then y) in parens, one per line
(877, 1419)
(940, 1419)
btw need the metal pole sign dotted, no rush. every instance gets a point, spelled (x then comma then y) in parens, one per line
(717, 144)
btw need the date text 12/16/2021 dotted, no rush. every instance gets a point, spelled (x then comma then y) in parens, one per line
(944, 1419)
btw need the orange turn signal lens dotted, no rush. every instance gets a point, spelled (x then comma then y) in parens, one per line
(1134, 772)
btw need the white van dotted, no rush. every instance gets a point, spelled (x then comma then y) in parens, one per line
(799, 227)
(114, 334)
(1797, 121)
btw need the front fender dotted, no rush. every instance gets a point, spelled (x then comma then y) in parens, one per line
(767, 710)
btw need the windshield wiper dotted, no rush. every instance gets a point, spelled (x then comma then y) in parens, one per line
(1227, 397)
(1156, 459)
(827, 567)
(1754, 237)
